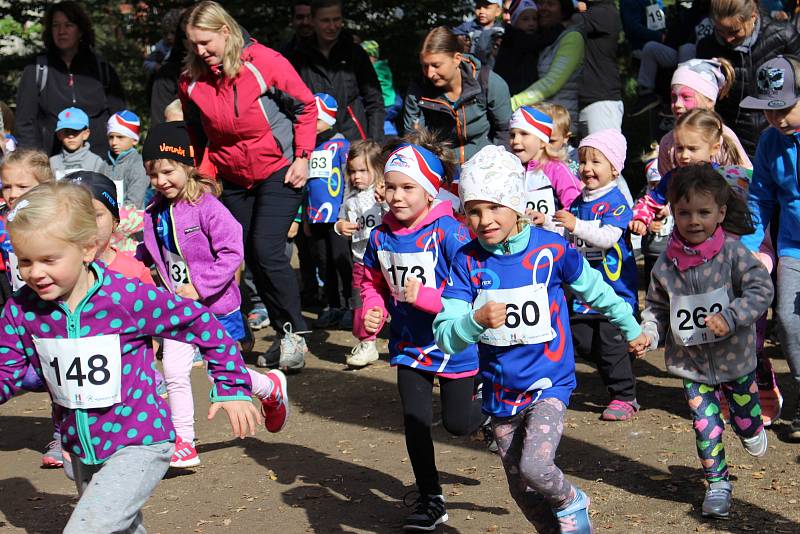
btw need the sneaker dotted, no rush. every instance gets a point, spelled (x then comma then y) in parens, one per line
(363, 354)
(429, 511)
(771, 404)
(618, 410)
(271, 356)
(717, 502)
(794, 427)
(644, 103)
(248, 341)
(293, 351)
(575, 517)
(197, 359)
(275, 408)
(258, 318)
(53, 455)
(185, 454)
(346, 322)
(328, 318)
(757, 445)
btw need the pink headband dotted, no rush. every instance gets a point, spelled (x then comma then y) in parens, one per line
(704, 76)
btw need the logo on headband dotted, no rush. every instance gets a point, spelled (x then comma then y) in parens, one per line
(398, 160)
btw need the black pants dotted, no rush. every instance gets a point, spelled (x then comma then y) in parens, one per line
(309, 287)
(461, 415)
(597, 340)
(265, 212)
(331, 252)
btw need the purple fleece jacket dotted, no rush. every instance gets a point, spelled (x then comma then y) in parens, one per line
(134, 311)
(210, 241)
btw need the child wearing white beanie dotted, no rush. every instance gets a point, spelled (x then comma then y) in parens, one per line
(505, 294)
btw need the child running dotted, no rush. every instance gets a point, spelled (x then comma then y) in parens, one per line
(196, 246)
(406, 264)
(90, 331)
(360, 213)
(549, 184)
(505, 294)
(706, 293)
(597, 225)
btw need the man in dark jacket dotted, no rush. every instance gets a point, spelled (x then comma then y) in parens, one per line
(762, 39)
(330, 62)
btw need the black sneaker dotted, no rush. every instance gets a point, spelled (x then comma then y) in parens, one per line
(794, 427)
(644, 103)
(429, 511)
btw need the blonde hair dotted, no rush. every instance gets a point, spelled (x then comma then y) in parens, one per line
(552, 153)
(212, 17)
(35, 162)
(371, 152)
(173, 108)
(197, 184)
(560, 115)
(711, 128)
(730, 76)
(61, 209)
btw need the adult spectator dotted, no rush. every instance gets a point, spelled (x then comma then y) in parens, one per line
(164, 83)
(68, 74)
(330, 62)
(559, 64)
(161, 50)
(300, 25)
(747, 38)
(260, 119)
(465, 104)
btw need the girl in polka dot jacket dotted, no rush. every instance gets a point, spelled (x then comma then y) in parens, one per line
(87, 331)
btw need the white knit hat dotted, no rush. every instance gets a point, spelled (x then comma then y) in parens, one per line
(494, 175)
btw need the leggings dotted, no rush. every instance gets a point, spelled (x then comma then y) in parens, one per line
(177, 373)
(788, 312)
(461, 415)
(527, 444)
(703, 399)
(331, 253)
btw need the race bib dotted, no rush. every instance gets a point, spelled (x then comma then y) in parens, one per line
(321, 164)
(177, 270)
(366, 222)
(704, 29)
(120, 185)
(527, 316)
(13, 270)
(82, 373)
(666, 226)
(398, 267)
(588, 251)
(687, 316)
(541, 200)
(655, 18)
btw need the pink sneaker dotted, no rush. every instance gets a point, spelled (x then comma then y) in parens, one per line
(275, 408)
(618, 410)
(185, 454)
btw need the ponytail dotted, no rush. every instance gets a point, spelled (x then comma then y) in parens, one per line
(730, 76)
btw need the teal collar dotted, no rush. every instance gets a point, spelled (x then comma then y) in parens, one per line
(512, 245)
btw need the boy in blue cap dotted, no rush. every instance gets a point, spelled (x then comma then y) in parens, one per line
(72, 131)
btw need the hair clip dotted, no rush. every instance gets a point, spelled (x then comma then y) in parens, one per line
(19, 206)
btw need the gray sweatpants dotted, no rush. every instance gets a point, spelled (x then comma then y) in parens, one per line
(788, 311)
(113, 493)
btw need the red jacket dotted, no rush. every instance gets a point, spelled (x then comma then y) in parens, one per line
(255, 123)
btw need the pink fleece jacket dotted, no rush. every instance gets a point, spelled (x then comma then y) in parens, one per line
(567, 186)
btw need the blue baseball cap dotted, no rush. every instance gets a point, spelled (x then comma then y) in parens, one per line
(72, 119)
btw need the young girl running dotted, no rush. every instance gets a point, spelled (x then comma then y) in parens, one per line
(505, 294)
(706, 293)
(360, 213)
(549, 184)
(406, 263)
(90, 331)
(196, 246)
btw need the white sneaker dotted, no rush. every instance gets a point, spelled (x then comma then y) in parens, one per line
(757, 445)
(293, 351)
(363, 354)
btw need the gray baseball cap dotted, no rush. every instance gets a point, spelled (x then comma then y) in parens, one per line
(776, 86)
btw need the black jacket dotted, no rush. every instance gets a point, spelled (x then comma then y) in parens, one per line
(348, 76)
(774, 38)
(97, 93)
(518, 55)
(600, 26)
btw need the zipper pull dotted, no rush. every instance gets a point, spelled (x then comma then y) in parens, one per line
(506, 248)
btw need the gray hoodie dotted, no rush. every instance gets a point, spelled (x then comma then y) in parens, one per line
(735, 271)
(128, 168)
(65, 162)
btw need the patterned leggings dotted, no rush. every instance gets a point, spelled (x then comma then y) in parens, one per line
(527, 445)
(742, 395)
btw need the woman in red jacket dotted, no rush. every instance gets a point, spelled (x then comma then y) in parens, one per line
(259, 119)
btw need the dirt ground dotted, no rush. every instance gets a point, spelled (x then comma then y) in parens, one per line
(340, 465)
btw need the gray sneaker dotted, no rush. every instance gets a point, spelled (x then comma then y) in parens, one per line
(757, 445)
(271, 357)
(718, 500)
(293, 351)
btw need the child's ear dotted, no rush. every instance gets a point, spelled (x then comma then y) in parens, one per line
(722, 212)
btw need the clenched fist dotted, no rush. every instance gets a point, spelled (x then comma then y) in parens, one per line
(491, 315)
(411, 289)
(373, 319)
(637, 227)
(717, 324)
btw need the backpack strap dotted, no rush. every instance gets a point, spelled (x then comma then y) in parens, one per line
(41, 72)
(483, 80)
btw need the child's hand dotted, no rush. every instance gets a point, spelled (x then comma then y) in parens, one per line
(717, 324)
(293, 230)
(565, 219)
(412, 289)
(637, 227)
(380, 192)
(639, 345)
(373, 320)
(346, 228)
(187, 291)
(656, 226)
(491, 315)
(242, 415)
(537, 217)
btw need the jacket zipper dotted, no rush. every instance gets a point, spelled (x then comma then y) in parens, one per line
(178, 245)
(709, 353)
(235, 101)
